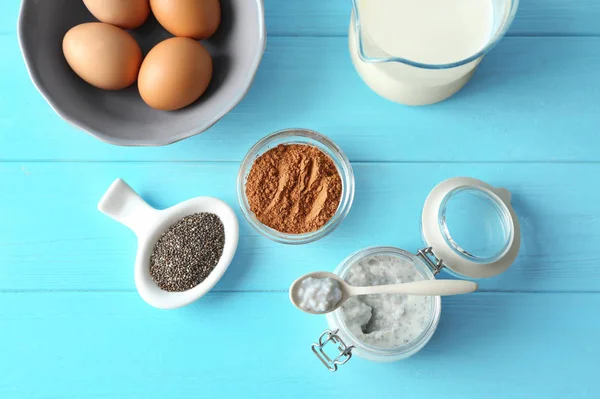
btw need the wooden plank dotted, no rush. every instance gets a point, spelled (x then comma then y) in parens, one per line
(534, 17)
(9, 14)
(332, 17)
(255, 345)
(53, 238)
(529, 101)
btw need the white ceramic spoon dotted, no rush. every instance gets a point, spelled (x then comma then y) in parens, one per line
(124, 205)
(425, 287)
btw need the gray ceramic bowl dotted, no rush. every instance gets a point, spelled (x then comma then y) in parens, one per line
(121, 117)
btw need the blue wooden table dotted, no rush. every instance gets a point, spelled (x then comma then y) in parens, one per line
(73, 326)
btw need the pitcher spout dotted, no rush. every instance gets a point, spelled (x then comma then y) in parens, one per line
(419, 52)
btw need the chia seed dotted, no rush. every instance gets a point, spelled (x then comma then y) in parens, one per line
(187, 252)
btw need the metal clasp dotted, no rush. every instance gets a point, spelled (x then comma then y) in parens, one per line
(344, 352)
(435, 264)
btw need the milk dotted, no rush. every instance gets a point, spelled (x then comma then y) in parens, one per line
(422, 31)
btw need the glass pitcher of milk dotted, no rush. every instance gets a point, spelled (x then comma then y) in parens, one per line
(419, 52)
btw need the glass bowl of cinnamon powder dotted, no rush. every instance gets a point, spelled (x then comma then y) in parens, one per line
(295, 186)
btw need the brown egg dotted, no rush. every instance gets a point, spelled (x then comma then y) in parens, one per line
(175, 73)
(126, 14)
(197, 19)
(103, 55)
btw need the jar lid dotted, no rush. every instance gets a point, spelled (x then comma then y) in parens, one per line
(471, 227)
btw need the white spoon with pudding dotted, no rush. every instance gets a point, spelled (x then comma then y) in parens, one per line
(324, 292)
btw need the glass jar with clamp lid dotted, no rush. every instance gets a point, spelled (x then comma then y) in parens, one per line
(470, 230)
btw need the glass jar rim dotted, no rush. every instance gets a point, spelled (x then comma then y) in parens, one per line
(424, 337)
(434, 236)
(314, 139)
(504, 220)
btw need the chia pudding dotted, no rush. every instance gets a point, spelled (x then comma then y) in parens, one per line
(319, 295)
(383, 320)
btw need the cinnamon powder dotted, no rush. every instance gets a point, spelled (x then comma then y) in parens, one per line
(294, 188)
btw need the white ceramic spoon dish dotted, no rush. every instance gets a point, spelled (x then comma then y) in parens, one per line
(425, 287)
(123, 204)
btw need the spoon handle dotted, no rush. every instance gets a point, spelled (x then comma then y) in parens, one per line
(427, 287)
(124, 205)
